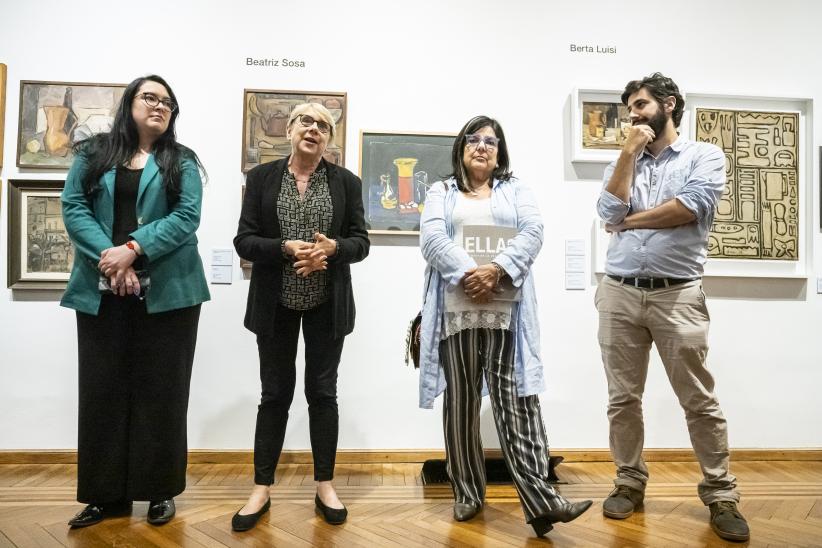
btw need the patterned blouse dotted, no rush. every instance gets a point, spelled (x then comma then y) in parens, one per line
(300, 219)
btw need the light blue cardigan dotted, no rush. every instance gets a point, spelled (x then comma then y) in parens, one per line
(512, 204)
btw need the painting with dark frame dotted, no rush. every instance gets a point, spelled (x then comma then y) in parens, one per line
(266, 113)
(40, 254)
(396, 170)
(56, 115)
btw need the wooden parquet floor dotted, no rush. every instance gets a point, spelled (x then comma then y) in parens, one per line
(388, 506)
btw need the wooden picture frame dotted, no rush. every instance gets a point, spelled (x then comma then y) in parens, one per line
(599, 121)
(40, 254)
(265, 115)
(54, 116)
(396, 169)
(3, 73)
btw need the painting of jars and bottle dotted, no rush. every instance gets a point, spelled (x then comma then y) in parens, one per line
(604, 125)
(55, 115)
(397, 169)
(265, 117)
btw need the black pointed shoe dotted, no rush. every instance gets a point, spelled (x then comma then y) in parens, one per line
(463, 511)
(564, 513)
(332, 516)
(95, 513)
(244, 522)
(161, 511)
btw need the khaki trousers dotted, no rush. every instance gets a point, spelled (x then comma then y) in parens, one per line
(676, 320)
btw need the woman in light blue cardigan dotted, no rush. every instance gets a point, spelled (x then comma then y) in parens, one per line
(474, 344)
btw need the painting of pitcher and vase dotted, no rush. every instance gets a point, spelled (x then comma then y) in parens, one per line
(56, 115)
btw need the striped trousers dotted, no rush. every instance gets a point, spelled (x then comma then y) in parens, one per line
(465, 357)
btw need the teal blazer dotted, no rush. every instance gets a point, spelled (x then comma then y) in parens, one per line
(166, 235)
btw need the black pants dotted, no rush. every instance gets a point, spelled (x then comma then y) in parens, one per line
(278, 374)
(135, 370)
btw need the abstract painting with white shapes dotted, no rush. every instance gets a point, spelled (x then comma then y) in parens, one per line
(758, 214)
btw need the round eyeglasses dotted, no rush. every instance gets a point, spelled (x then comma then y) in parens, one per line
(308, 121)
(152, 101)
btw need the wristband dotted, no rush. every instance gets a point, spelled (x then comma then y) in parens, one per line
(130, 245)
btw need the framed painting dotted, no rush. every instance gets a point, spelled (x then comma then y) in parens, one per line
(56, 115)
(599, 125)
(266, 113)
(759, 228)
(396, 171)
(2, 108)
(40, 254)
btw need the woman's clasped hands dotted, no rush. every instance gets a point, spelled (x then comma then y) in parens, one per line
(115, 264)
(311, 256)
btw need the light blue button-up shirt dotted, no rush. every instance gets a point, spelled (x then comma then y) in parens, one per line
(512, 204)
(693, 173)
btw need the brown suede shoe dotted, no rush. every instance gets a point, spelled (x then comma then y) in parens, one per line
(727, 522)
(622, 502)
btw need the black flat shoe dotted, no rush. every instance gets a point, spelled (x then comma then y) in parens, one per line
(161, 511)
(332, 516)
(95, 513)
(245, 522)
(463, 511)
(564, 513)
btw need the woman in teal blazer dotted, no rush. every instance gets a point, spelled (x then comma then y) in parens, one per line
(131, 206)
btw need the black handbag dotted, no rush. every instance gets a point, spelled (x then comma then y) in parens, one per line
(412, 341)
(412, 336)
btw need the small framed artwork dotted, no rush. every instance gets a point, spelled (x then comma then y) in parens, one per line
(56, 115)
(396, 170)
(40, 254)
(244, 263)
(599, 125)
(265, 116)
(2, 108)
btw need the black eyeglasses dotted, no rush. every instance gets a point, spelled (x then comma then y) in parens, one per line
(308, 121)
(152, 101)
(473, 140)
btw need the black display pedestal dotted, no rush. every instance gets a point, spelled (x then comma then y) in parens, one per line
(433, 471)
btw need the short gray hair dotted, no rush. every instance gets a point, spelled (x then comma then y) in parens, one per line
(319, 110)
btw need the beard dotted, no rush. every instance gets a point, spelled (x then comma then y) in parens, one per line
(657, 123)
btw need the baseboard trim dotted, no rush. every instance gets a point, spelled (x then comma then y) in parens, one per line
(382, 456)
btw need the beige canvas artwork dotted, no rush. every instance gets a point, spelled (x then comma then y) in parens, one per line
(758, 214)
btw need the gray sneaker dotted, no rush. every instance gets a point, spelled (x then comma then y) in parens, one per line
(727, 522)
(621, 502)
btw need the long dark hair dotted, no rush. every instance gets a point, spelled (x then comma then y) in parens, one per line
(501, 172)
(116, 148)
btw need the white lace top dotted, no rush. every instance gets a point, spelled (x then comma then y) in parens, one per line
(460, 312)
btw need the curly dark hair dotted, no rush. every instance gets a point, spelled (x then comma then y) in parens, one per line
(660, 87)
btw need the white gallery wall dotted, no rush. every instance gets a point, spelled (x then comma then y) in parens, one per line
(427, 66)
